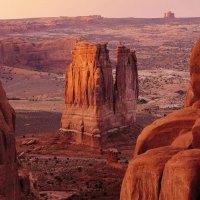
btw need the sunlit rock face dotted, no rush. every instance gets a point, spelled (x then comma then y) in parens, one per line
(96, 105)
(193, 93)
(166, 163)
(9, 185)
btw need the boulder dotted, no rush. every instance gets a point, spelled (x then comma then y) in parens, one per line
(181, 176)
(165, 131)
(143, 176)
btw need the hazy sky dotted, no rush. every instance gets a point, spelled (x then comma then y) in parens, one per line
(106, 8)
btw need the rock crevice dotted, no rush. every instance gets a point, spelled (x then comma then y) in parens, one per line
(94, 102)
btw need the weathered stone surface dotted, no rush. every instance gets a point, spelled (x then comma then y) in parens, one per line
(144, 173)
(193, 93)
(95, 105)
(9, 186)
(181, 173)
(164, 131)
(28, 185)
(48, 55)
(181, 176)
(196, 134)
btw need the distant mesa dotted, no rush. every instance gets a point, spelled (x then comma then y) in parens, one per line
(169, 15)
(96, 105)
(48, 55)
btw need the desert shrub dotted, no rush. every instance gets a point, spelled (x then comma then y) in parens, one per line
(154, 98)
(180, 92)
(79, 169)
(142, 101)
(14, 98)
(74, 197)
(58, 178)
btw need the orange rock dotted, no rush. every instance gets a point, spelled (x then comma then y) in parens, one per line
(193, 93)
(196, 134)
(181, 173)
(144, 173)
(164, 131)
(95, 106)
(181, 176)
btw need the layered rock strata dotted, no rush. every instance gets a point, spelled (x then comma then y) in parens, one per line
(166, 163)
(95, 104)
(47, 55)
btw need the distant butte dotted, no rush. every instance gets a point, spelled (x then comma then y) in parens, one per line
(169, 15)
(96, 105)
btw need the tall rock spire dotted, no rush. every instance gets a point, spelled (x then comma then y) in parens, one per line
(94, 104)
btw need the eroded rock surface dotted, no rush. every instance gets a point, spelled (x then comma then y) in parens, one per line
(48, 55)
(178, 176)
(181, 176)
(9, 185)
(193, 93)
(144, 174)
(95, 104)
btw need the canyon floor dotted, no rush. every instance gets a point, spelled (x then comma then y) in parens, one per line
(56, 161)
(68, 171)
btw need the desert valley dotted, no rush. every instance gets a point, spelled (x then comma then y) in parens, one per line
(83, 90)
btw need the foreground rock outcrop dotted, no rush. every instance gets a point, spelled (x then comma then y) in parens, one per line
(9, 185)
(166, 163)
(96, 105)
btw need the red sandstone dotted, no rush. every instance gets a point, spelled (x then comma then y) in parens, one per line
(95, 104)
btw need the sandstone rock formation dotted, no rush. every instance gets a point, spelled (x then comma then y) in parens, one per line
(169, 15)
(193, 93)
(181, 176)
(9, 187)
(168, 130)
(35, 25)
(50, 55)
(144, 173)
(166, 163)
(95, 104)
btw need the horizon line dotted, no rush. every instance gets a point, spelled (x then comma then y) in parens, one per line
(131, 17)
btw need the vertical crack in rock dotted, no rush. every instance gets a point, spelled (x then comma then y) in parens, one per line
(93, 102)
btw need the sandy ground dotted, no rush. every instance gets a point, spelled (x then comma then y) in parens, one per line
(39, 106)
(57, 163)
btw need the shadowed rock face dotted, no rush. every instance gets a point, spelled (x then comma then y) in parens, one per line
(154, 172)
(95, 105)
(9, 187)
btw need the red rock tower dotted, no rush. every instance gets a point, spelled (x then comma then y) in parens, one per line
(9, 185)
(169, 15)
(95, 105)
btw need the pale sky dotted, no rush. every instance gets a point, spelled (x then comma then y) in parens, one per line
(107, 8)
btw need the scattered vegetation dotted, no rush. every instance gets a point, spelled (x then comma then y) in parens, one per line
(142, 101)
